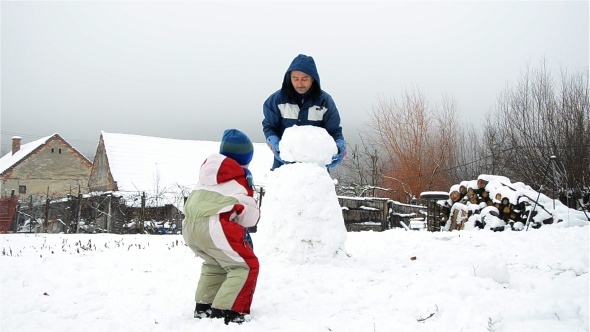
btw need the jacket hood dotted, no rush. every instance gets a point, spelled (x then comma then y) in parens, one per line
(218, 169)
(307, 65)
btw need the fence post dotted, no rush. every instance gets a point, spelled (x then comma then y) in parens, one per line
(31, 213)
(45, 223)
(384, 216)
(109, 220)
(79, 213)
(69, 215)
(95, 206)
(14, 226)
(142, 216)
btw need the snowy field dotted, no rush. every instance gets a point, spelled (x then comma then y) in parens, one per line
(390, 281)
(314, 276)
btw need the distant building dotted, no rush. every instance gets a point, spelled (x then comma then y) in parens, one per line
(162, 168)
(49, 166)
(152, 176)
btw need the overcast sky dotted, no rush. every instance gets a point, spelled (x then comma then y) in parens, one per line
(189, 70)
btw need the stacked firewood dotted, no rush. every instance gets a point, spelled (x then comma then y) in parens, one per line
(492, 202)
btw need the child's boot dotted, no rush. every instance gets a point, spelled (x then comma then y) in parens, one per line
(202, 310)
(217, 313)
(233, 317)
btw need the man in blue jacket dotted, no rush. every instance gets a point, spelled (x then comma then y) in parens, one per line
(301, 101)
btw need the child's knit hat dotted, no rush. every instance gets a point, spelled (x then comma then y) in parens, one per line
(237, 146)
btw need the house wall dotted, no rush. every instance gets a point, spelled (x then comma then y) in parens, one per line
(55, 168)
(100, 177)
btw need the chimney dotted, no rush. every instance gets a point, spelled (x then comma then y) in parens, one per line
(15, 144)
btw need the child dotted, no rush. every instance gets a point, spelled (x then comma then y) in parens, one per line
(218, 211)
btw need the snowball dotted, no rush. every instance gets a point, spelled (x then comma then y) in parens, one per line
(307, 144)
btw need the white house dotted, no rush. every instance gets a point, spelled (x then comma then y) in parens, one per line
(164, 169)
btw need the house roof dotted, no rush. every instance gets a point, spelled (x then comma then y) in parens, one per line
(157, 165)
(9, 159)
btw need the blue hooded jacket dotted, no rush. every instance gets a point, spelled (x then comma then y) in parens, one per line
(286, 107)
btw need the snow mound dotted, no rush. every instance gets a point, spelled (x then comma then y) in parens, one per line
(493, 269)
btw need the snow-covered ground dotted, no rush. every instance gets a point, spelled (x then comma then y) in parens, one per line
(392, 281)
(313, 276)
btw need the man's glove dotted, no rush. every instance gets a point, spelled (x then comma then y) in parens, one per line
(337, 158)
(249, 178)
(273, 143)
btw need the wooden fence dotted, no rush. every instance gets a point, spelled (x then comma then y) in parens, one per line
(94, 214)
(377, 214)
(361, 213)
(109, 214)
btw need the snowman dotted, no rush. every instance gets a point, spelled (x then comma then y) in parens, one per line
(301, 219)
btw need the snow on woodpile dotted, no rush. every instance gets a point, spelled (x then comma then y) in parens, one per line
(493, 202)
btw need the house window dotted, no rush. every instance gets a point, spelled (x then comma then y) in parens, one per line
(59, 150)
(22, 189)
(52, 150)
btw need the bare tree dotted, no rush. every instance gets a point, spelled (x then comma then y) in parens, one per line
(537, 119)
(469, 161)
(361, 172)
(416, 142)
(416, 147)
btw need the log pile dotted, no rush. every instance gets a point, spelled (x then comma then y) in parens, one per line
(492, 202)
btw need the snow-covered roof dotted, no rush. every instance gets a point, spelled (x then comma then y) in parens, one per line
(9, 159)
(157, 165)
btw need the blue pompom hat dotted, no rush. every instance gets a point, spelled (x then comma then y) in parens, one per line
(237, 146)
